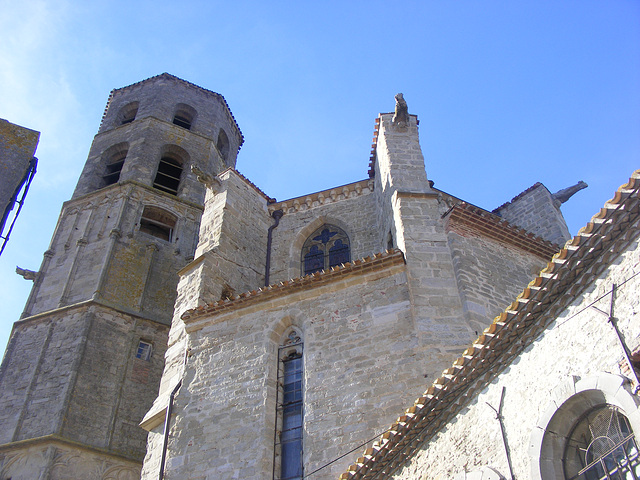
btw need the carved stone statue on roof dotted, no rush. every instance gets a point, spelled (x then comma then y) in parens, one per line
(401, 117)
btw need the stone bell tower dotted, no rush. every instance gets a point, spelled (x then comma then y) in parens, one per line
(83, 363)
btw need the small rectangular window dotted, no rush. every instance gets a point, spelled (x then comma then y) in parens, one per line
(144, 350)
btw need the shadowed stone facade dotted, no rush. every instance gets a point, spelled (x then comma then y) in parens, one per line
(73, 387)
(152, 298)
(17, 163)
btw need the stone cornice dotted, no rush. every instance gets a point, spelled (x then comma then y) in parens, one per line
(57, 439)
(325, 197)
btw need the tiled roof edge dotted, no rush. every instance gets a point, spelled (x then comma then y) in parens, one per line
(519, 196)
(493, 226)
(577, 264)
(376, 261)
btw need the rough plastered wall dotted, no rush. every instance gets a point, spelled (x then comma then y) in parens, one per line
(580, 346)
(351, 207)
(535, 211)
(225, 411)
(489, 275)
(74, 374)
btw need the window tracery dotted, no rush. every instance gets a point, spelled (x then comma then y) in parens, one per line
(327, 247)
(601, 445)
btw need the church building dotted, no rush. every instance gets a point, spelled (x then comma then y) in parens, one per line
(184, 324)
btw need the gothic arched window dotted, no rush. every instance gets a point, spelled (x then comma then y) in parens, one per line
(327, 247)
(288, 449)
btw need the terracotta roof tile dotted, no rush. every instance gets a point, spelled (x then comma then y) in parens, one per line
(464, 217)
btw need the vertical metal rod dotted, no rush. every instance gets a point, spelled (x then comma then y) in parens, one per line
(504, 433)
(625, 351)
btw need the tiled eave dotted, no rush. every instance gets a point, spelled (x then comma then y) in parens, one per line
(565, 277)
(470, 217)
(379, 261)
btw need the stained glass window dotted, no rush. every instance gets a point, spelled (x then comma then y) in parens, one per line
(327, 247)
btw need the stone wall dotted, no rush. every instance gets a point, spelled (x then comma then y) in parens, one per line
(535, 211)
(489, 275)
(54, 459)
(74, 374)
(578, 352)
(351, 207)
(226, 406)
(18, 145)
(98, 251)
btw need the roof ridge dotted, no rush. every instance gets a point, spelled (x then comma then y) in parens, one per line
(519, 196)
(522, 321)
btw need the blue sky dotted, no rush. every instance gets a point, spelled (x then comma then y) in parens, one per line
(508, 93)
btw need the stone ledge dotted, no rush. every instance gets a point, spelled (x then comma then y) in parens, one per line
(325, 197)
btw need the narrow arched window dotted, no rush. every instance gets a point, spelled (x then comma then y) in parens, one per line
(158, 222)
(128, 113)
(288, 463)
(114, 161)
(327, 247)
(184, 116)
(223, 145)
(168, 175)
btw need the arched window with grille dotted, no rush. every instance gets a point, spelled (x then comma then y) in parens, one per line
(288, 464)
(327, 247)
(601, 445)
